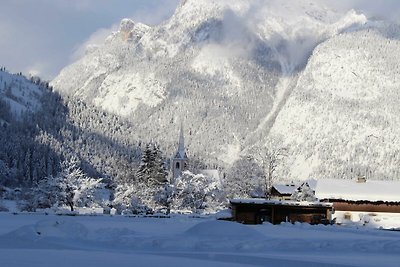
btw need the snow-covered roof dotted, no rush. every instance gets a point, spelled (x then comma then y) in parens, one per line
(285, 188)
(279, 202)
(181, 153)
(371, 190)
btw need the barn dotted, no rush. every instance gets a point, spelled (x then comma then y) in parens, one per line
(360, 195)
(257, 211)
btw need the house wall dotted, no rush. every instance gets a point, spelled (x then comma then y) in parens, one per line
(366, 207)
(277, 195)
(257, 213)
(292, 214)
(246, 214)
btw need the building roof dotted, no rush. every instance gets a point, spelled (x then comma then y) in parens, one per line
(371, 190)
(261, 201)
(285, 189)
(181, 152)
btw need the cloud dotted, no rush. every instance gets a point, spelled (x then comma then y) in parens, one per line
(48, 33)
(382, 9)
(43, 35)
(95, 39)
(159, 12)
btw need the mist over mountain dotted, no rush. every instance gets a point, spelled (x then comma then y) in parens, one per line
(251, 76)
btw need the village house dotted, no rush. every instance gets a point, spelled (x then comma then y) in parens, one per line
(283, 191)
(352, 197)
(258, 210)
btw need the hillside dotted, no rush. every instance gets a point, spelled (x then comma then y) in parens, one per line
(39, 130)
(341, 118)
(224, 69)
(20, 94)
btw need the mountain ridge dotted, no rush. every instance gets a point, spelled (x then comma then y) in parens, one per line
(228, 75)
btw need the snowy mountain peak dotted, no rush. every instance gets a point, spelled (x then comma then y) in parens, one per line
(125, 28)
(229, 68)
(126, 25)
(131, 31)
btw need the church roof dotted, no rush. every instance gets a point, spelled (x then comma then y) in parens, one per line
(181, 153)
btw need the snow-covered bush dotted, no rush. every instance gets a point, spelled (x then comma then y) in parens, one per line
(126, 200)
(76, 188)
(165, 196)
(70, 187)
(304, 193)
(196, 192)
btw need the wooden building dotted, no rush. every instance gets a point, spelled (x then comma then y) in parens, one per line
(256, 211)
(360, 195)
(283, 191)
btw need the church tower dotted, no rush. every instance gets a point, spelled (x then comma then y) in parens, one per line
(180, 161)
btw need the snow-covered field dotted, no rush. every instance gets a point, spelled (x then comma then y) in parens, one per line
(51, 240)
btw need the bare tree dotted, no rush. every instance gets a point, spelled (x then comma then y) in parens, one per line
(272, 159)
(269, 160)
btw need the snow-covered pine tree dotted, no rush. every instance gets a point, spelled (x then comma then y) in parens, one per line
(159, 172)
(304, 193)
(146, 165)
(152, 168)
(4, 174)
(47, 193)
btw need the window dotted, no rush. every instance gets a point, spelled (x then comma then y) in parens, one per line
(177, 166)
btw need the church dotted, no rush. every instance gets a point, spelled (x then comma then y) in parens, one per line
(180, 160)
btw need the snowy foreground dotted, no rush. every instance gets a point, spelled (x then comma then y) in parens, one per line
(51, 240)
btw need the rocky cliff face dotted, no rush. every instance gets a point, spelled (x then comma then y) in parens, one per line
(245, 74)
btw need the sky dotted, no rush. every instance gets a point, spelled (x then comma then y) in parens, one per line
(41, 37)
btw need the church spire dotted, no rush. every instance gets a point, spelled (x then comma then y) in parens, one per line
(180, 161)
(181, 146)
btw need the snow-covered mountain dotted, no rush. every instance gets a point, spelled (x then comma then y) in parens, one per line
(342, 117)
(19, 93)
(239, 75)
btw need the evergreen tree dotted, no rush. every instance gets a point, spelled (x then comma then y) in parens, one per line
(47, 193)
(152, 168)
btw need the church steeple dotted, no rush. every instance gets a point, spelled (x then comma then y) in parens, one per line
(179, 162)
(181, 153)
